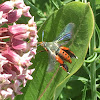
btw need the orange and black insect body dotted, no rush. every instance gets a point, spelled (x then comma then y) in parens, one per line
(58, 53)
(63, 53)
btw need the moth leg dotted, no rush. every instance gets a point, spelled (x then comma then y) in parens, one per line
(64, 48)
(58, 59)
(65, 67)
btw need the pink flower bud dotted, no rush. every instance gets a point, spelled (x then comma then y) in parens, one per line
(26, 11)
(30, 71)
(2, 18)
(11, 56)
(19, 44)
(33, 50)
(3, 61)
(31, 21)
(16, 29)
(33, 41)
(29, 77)
(4, 80)
(25, 59)
(21, 36)
(27, 14)
(6, 6)
(17, 83)
(19, 3)
(14, 15)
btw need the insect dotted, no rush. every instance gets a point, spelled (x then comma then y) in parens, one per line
(57, 52)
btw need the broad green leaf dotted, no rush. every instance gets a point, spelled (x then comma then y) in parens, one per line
(70, 90)
(81, 15)
(81, 41)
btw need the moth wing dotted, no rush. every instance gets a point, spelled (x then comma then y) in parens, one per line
(52, 62)
(66, 34)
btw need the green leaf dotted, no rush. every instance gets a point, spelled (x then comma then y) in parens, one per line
(84, 92)
(45, 83)
(70, 90)
(98, 94)
(74, 77)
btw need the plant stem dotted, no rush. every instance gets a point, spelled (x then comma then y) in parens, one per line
(93, 64)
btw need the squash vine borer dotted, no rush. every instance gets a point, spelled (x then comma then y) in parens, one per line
(57, 52)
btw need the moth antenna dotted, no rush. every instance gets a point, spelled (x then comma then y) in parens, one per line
(38, 45)
(42, 35)
(41, 51)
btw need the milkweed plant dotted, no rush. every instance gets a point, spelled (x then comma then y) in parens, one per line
(18, 45)
(15, 52)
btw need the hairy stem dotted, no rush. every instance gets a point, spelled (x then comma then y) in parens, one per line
(93, 64)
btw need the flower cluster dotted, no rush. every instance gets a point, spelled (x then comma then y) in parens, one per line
(18, 44)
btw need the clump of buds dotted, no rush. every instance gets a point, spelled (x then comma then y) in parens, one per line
(15, 52)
